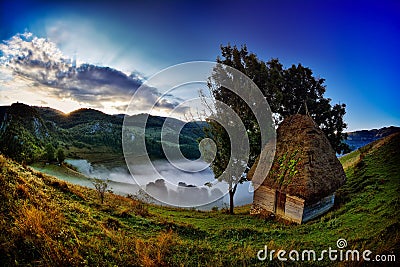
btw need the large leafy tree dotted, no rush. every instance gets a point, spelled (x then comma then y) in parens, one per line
(288, 91)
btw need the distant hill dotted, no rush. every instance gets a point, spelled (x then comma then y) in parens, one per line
(77, 117)
(84, 133)
(96, 136)
(361, 138)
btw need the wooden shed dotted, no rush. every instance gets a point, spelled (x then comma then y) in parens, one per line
(304, 175)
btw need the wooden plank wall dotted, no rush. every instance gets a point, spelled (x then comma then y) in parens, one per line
(264, 197)
(316, 209)
(294, 209)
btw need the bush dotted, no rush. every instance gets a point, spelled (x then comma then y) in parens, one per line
(60, 156)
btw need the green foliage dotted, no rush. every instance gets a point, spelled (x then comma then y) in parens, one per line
(60, 156)
(287, 165)
(220, 164)
(19, 144)
(23, 133)
(187, 138)
(50, 150)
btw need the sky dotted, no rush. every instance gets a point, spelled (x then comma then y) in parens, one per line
(354, 45)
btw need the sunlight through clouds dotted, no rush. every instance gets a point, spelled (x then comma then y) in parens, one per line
(34, 70)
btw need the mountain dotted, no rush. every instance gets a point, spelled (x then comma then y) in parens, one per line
(23, 132)
(361, 138)
(86, 133)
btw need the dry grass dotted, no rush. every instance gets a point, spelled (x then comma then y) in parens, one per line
(44, 229)
(32, 221)
(48, 222)
(155, 251)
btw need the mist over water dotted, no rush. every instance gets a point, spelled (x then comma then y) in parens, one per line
(168, 184)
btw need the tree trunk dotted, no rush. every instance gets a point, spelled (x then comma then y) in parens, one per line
(231, 202)
(231, 194)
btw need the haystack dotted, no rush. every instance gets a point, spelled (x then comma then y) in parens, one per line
(304, 175)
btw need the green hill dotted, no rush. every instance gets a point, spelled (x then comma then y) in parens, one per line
(47, 222)
(80, 116)
(23, 133)
(85, 133)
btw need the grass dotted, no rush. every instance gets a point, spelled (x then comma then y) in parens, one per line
(50, 222)
(103, 155)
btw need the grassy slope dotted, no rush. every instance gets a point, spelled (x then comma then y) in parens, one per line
(49, 222)
(63, 173)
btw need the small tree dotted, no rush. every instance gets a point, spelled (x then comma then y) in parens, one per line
(237, 139)
(49, 152)
(60, 156)
(101, 187)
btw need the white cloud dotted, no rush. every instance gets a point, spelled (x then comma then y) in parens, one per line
(33, 69)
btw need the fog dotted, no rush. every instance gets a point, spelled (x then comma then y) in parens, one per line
(167, 184)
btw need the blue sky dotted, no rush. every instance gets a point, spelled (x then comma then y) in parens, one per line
(352, 44)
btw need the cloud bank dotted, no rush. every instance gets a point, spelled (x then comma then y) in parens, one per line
(35, 66)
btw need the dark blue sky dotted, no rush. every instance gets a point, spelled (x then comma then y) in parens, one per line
(354, 45)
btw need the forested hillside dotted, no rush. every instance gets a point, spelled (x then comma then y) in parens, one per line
(26, 133)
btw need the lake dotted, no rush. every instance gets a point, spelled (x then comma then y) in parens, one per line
(178, 184)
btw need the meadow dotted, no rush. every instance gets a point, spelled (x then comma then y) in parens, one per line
(50, 222)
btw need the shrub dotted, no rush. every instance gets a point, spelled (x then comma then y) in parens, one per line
(101, 187)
